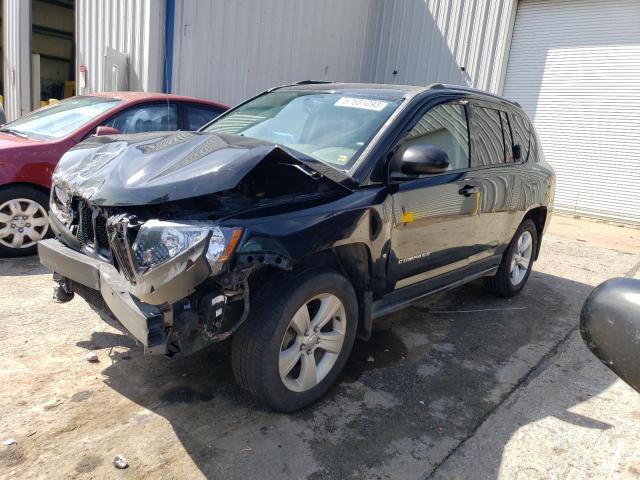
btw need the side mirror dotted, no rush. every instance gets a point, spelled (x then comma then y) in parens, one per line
(103, 130)
(419, 159)
(609, 324)
(517, 152)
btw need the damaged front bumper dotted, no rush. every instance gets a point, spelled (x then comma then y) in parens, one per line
(94, 279)
(176, 312)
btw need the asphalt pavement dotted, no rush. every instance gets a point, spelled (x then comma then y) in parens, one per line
(462, 385)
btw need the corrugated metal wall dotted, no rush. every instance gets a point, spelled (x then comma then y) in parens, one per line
(133, 27)
(230, 49)
(428, 41)
(16, 19)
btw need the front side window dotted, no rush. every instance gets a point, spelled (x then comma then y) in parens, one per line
(444, 126)
(332, 127)
(159, 117)
(487, 141)
(57, 121)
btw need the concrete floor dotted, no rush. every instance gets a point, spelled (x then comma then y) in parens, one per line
(464, 385)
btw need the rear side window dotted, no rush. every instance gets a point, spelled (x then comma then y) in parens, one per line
(521, 133)
(146, 118)
(506, 135)
(444, 126)
(487, 140)
(197, 116)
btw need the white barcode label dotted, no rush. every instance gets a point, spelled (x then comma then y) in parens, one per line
(364, 103)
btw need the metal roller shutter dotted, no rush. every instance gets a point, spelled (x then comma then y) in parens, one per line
(574, 66)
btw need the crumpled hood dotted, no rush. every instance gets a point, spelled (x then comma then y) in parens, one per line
(158, 167)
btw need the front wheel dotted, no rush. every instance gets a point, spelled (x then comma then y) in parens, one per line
(297, 338)
(517, 261)
(23, 220)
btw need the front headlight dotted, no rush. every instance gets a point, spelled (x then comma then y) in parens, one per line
(159, 241)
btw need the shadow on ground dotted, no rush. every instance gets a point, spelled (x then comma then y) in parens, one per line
(20, 266)
(431, 374)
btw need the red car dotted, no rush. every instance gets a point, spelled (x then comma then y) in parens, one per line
(31, 146)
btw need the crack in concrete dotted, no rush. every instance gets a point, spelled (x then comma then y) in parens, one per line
(540, 367)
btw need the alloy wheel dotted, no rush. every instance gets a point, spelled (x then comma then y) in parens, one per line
(23, 222)
(312, 342)
(521, 258)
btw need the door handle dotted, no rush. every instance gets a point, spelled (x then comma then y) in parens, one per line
(468, 190)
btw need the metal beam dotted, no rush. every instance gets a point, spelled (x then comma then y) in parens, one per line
(60, 3)
(52, 32)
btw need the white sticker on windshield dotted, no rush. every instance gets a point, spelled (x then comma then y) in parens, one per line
(364, 103)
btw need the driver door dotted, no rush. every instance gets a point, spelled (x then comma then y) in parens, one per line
(435, 227)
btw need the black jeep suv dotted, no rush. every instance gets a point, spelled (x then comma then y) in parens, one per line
(295, 219)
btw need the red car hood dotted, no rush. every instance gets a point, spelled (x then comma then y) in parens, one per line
(11, 141)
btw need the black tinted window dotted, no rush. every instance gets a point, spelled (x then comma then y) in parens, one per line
(507, 139)
(146, 118)
(487, 142)
(521, 133)
(444, 126)
(199, 115)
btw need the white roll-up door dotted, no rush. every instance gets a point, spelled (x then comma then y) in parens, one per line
(574, 66)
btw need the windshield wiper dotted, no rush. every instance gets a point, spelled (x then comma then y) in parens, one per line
(17, 133)
(306, 170)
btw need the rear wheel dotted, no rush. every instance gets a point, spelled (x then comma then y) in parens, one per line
(297, 338)
(23, 220)
(517, 261)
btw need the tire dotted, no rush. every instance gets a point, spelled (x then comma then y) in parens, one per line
(270, 332)
(30, 206)
(505, 282)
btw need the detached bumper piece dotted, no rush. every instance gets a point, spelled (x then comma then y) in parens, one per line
(101, 285)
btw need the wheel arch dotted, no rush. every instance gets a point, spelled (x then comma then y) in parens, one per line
(539, 217)
(35, 186)
(351, 260)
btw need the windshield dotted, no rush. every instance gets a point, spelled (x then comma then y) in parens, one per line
(57, 121)
(331, 127)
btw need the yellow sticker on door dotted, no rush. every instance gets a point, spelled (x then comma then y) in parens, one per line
(407, 217)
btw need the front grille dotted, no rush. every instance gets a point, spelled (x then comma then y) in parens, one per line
(102, 238)
(106, 236)
(85, 234)
(91, 230)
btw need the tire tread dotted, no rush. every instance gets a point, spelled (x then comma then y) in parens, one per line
(250, 343)
(500, 283)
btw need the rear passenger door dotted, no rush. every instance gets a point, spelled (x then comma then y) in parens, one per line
(495, 174)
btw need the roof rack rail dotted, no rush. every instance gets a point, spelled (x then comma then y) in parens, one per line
(463, 88)
(311, 82)
(301, 82)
